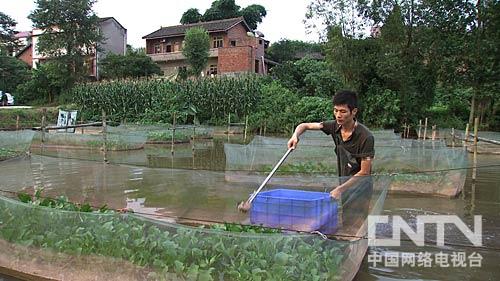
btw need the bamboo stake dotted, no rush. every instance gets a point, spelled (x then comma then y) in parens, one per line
(194, 135)
(105, 136)
(452, 137)
(44, 112)
(81, 121)
(425, 129)
(474, 170)
(419, 128)
(17, 122)
(173, 134)
(466, 139)
(246, 128)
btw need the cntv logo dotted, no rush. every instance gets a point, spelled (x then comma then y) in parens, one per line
(418, 236)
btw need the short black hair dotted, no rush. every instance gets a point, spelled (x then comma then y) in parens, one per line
(346, 97)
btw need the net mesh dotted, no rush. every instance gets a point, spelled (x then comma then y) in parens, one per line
(14, 143)
(202, 184)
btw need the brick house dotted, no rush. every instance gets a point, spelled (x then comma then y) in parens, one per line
(234, 48)
(115, 41)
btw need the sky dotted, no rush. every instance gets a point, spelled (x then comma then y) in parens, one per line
(284, 19)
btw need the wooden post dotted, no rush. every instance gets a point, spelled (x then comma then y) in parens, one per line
(81, 121)
(452, 137)
(194, 136)
(228, 123)
(419, 127)
(474, 170)
(265, 127)
(425, 129)
(466, 133)
(173, 134)
(433, 132)
(67, 121)
(246, 128)
(44, 112)
(17, 122)
(105, 136)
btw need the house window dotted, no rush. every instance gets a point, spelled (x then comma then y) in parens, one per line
(257, 66)
(157, 48)
(260, 41)
(218, 42)
(169, 48)
(212, 69)
(232, 43)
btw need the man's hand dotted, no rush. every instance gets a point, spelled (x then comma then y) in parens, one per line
(292, 142)
(336, 193)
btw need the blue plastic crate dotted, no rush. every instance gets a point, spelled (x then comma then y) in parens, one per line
(295, 210)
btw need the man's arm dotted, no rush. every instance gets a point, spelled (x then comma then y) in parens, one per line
(301, 128)
(366, 170)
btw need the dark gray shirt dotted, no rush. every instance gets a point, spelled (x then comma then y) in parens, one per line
(350, 152)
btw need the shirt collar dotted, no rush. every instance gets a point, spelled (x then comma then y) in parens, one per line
(337, 130)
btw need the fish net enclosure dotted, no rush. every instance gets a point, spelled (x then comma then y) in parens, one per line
(488, 141)
(165, 133)
(45, 239)
(92, 138)
(14, 143)
(417, 166)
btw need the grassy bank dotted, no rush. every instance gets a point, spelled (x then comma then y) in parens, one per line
(28, 117)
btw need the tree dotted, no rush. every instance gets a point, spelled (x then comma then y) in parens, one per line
(197, 45)
(286, 50)
(71, 31)
(12, 73)
(191, 16)
(131, 65)
(8, 43)
(341, 13)
(226, 9)
(47, 82)
(221, 9)
(253, 15)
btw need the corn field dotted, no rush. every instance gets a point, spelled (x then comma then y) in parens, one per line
(210, 99)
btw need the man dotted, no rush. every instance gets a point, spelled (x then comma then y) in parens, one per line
(354, 147)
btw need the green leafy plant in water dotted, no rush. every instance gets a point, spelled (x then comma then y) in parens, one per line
(235, 227)
(189, 253)
(301, 168)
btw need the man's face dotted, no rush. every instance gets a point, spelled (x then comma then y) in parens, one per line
(343, 114)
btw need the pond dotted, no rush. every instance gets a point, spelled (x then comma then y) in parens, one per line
(190, 184)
